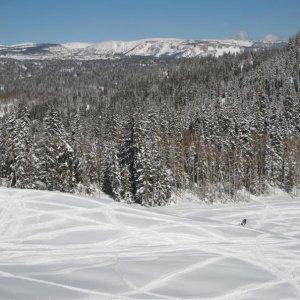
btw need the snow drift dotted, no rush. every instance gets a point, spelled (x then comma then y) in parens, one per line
(59, 246)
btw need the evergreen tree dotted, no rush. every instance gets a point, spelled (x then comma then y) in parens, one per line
(274, 157)
(21, 147)
(112, 182)
(59, 161)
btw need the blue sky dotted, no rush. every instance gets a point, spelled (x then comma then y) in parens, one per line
(97, 20)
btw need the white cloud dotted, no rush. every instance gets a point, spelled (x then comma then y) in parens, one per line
(242, 35)
(270, 38)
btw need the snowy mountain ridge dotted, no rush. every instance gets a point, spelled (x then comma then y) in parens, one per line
(156, 47)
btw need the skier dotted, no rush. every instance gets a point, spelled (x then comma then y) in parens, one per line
(243, 223)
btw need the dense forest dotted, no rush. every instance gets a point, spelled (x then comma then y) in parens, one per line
(143, 128)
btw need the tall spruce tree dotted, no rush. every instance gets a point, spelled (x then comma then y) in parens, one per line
(58, 156)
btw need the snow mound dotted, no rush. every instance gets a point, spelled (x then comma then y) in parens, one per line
(59, 246)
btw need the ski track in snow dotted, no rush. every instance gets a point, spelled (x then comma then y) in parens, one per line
(60, 246)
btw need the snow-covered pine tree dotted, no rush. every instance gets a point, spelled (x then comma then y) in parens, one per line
(161, 177)
(2, 148)
(259, 138)
(126, 193)
(112, 184)
(290, 140)
(22, 144)
(139, 158)
(245, 153)
(275, 150)
(59, 160)
(86, 165)
(8, 153)
(141, 167)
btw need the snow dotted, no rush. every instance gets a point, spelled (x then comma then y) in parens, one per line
(156, 47)
(270, 38)
(76, 45)
(23, 45)
(4, 106)
(164, 47)
(60, 246)
(231, 50)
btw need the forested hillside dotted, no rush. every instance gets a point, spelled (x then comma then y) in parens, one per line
(141, 128)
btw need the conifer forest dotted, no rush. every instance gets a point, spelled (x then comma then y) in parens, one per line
(142, 128)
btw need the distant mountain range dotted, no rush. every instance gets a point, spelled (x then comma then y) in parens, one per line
(160, 47)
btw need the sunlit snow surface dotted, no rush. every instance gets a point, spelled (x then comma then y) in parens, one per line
(57, 246)
(156, 47)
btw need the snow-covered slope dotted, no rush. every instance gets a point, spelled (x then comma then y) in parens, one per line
(76, 46)
(59, 246)
(116, 49)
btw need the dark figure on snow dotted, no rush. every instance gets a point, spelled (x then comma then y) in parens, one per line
(243, 223)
